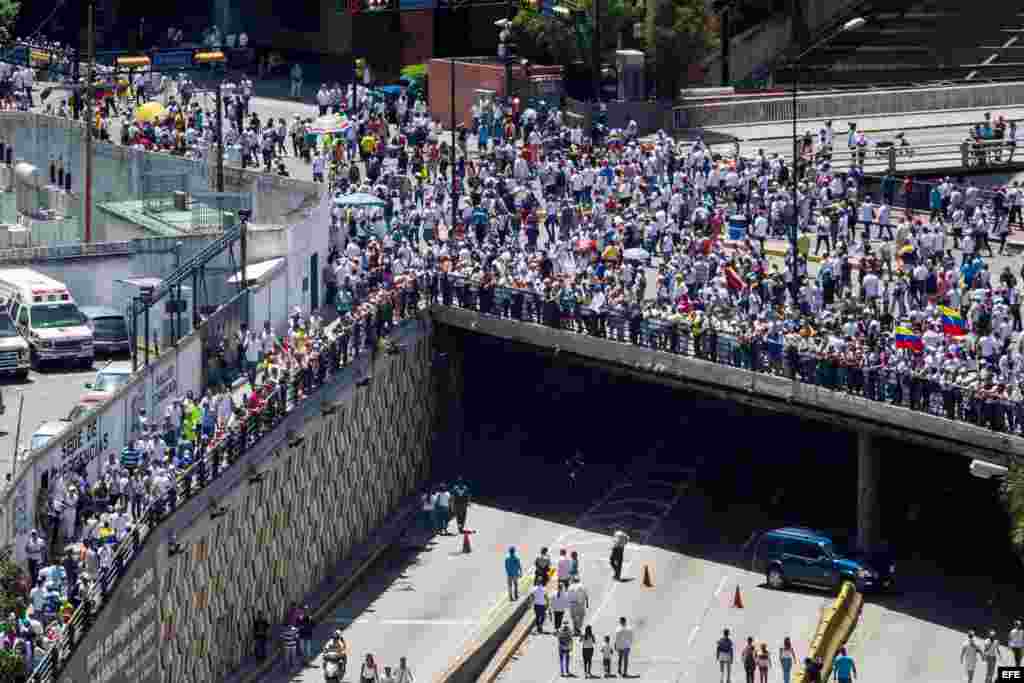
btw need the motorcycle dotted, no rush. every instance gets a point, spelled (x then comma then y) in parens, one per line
(899, 142)
(334, 667)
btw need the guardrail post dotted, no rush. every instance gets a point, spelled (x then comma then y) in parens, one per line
(892, 159)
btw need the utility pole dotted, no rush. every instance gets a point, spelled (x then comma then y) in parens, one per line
(91, 77)
(595, 55)
(454, 206)
(220, 138)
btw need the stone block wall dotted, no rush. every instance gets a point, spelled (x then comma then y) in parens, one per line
(316, 502)
(283, 534)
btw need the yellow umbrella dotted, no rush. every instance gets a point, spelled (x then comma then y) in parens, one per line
(150, 111)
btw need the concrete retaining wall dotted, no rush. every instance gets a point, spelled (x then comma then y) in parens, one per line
(118, 171)
(317, 501)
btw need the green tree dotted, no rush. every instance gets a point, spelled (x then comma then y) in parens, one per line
(562, 40)
(678, 35)
(8, 15)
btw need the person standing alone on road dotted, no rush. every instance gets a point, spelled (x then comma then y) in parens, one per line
(564, 569)
(540, 606)
(443, 510)
(513, 572)
(764, 662)
(619, 542)
(786, 658)
(969, 656)
(564, 649)
(749, 655)
(1016, 642)
(290, 640)
(579, 601)
(723, 652)
(992, 653)
(844, 667)
(460, 498)
(623, 645)
(587, 644)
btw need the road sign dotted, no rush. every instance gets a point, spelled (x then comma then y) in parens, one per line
(172, 59)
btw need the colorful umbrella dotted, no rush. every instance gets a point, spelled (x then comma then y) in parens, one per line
(151, 112)
(330, 123)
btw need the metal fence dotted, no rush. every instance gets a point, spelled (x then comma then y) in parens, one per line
(755, 353)
(810, 105)
(217, 210)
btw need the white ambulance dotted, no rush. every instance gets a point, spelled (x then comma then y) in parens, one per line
(46, 316)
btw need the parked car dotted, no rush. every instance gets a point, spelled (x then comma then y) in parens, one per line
(802, 556)
(109, 329)
(109, 379)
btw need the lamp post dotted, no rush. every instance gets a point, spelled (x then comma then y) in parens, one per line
(851, 25)
(452, 151)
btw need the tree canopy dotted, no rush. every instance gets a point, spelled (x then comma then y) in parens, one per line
(9, 10)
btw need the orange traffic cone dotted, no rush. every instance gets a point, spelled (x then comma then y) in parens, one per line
(737, 601)
(648, 583)
(466, 547)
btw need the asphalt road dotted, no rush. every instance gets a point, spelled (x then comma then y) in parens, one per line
(426, 600)
(678, 621)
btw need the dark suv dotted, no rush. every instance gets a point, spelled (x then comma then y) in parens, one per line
(796, 555)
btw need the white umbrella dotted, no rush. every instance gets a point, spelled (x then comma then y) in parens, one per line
(636, 254)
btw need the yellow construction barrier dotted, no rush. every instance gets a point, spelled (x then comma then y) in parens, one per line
(834, 628)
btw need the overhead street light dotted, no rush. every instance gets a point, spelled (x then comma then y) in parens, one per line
(982, 469)
(851, 25)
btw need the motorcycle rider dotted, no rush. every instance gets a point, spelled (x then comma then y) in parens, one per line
(335, 658)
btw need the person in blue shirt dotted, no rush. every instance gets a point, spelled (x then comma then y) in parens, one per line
(513, 572)
(844, 668)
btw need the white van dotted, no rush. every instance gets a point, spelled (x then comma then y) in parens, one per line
(47, 317)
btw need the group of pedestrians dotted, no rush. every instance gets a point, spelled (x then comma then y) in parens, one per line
(758, 661)
(991, 652)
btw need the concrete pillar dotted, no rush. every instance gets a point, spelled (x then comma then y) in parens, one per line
(868, 501)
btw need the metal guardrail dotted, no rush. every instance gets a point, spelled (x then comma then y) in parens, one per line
(214, 455)
(811, 105)
(753, 353)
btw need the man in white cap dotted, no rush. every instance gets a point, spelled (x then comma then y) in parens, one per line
(619, 542)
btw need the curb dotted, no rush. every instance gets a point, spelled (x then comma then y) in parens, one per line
(511, 645)
(477, 655)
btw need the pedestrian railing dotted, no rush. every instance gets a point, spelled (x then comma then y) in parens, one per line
(756, 353)
(214, 455)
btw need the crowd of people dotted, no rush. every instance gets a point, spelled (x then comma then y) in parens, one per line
(627, 239)
(526, 215)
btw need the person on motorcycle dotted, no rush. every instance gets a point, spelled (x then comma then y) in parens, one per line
(335, 658)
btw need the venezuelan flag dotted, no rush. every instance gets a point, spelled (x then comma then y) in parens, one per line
(952, 323)
(733, 279)
(906, 339)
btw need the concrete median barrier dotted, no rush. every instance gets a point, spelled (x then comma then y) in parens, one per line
(496, 640)
(834, 628)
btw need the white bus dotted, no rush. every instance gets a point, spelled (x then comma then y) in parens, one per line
(46, 316)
